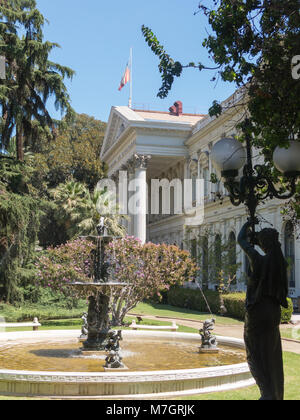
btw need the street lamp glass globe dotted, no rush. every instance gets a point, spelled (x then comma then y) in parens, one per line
(287, 160)
(228, 155)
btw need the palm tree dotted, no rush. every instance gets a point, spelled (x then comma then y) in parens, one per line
(78, 210)
(96, 203)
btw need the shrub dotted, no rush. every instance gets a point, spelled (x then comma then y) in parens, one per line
(235, 305)
(234, 302)
(193, 299)
(286, 314)
(68, 263)
(148, 270)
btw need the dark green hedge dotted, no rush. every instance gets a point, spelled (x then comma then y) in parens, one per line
(234, 302)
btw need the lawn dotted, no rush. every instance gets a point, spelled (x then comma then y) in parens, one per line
(43, 312)
(292, 385)
(75, 324)
(46, 313)
(291, 333)
(169, 311)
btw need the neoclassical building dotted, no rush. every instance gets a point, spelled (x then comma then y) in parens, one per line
(150, 145)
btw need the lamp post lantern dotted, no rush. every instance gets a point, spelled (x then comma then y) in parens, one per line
(229, 156)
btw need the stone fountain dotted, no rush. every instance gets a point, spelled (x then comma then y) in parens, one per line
(97, 336)
(160, 364)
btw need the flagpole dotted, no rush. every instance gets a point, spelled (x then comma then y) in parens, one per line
(130, 94)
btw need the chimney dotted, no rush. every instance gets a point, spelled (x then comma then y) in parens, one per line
(176, 109)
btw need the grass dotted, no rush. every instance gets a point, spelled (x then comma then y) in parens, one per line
(292, 333)
(169, 311)
(42, 312)
(75, 324)
(292, 385)
(52, 312)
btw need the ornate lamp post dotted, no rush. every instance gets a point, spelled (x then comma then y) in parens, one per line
(267, 281)
(255, 185)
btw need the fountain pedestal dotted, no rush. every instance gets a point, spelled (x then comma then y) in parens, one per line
(97, 331)
(98, 322)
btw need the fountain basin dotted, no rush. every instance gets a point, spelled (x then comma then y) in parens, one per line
(124, 384)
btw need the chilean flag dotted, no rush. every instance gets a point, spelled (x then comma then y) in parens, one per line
(125, 78)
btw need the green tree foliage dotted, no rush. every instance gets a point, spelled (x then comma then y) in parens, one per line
(19, 225)
(78, 210)
(75, 152)
(217, 259)
(31, 78)
(252, 43)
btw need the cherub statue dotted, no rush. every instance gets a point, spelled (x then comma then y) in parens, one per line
(85, 326)
(209, 341)
(114, 358)
(101, 226)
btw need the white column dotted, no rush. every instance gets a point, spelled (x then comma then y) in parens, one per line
(141, 199)
(131, 176)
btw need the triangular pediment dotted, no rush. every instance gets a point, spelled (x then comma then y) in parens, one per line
(119, 120)
(116, 127)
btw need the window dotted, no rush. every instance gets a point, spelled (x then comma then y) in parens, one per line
(205, 263)
(206, 181)
(218, 255)
(232, 257)
(194, 249)
(289, 244)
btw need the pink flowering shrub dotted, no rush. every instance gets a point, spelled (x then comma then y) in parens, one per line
(147, 270)
(65, 264)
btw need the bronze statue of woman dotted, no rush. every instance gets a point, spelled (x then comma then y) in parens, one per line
(267, 291)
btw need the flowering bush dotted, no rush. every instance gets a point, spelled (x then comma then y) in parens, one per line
(59, 266)
(147, 270)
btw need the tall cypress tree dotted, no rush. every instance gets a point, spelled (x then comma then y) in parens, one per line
(31, 78)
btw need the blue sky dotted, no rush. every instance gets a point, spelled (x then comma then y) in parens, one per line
(96, 36)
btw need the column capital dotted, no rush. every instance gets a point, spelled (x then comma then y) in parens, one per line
(139, 161)
(115, 177)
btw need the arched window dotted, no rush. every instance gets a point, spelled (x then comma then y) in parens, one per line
(289, 245)
(205, 262)
(218, 255)
(232, 257)
(194, 249)
(194, 187)
(206, 181)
